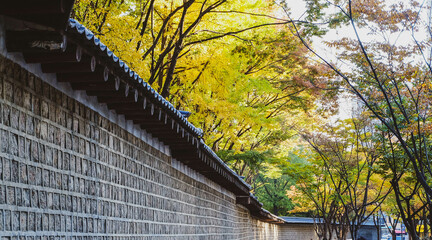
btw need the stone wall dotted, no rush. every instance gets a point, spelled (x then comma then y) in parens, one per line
(297, 232)
(66, 172)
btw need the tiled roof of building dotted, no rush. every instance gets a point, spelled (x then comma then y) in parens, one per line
(308, 220)
(298, 220)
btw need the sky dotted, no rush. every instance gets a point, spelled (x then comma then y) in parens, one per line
(398, 39)
(346, 105)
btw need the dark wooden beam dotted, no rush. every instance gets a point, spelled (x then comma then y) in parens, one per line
(125, 106)
(105, 86)
(115, 99)
(86, 77)
(143, 113)
(243, 200)
(185, 154)
(24, 7)
(103, 93)
(156, 128)
(72, 54)
(67, 67)
(175, 142)
(35, 41)
(56, 21)
(148, 121)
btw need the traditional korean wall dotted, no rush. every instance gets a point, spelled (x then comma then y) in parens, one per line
(66, 172)
(297, 232)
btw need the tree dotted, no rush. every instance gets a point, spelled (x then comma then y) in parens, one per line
(314, 193)
(348, 155)
(156, 30)
(271, 191)
(391, 215)
(390, 78)
(407, 193)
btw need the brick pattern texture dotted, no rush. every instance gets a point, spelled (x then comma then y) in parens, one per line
(297, 232)
(68, 173)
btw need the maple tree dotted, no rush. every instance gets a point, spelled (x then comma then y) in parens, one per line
(344, 183)
(384, 62)
(272, 192)
(314, 194)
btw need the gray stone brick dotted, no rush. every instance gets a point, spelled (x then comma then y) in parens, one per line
(18, 195)
(44, 130)
(1, 221)
(34, 151)
(21, 122)
(42, 200)
(45, 178)
(8, 91)
(57, 223)
(49, 200)
(31, 174)
(8, 220)
(51, 222)
(14, 171)
(45, 222)
(13, 144)
(31, 221)
(44, 109)
(2, 194)
(58, 180)
(57, 156)
(29, 125)
(14, 116)
(62, 223)
(69, 203)
(6, 169)
(18, 95)
(15, 221)
(2, 65)
(56, 201)
(68, 224)
(26, 197)
(4, 144)
(64, 181)
(38, 222)
(34, 199)
(1, 168)
(22, 147)
(52, 179)
(23, 221)
(27, 99)
(38, 177)
(51, 131)
(63, 202)
(66, 162)
(37, 127)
